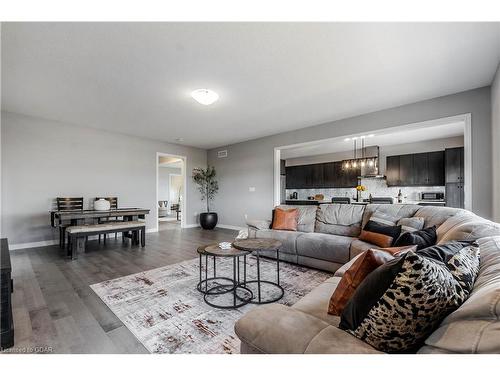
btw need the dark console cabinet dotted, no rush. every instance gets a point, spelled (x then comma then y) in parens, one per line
(6, 286)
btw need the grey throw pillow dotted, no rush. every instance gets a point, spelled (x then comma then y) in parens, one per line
(411, 224)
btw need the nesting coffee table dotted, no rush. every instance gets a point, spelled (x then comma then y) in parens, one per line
(241, 295)
(256, 246)
(237, 285)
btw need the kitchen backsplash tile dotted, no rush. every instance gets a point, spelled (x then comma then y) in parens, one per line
(375, 187)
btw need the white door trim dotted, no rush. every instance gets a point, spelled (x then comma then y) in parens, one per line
(184, 197)
(465, 118)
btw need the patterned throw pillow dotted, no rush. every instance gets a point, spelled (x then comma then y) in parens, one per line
(401, 302)
(461, 257)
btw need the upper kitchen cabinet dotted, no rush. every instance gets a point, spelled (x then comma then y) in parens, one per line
(454, 160)
(317, 176)
(422, 169)
(304, 176)
(293, 178)
(392, 170)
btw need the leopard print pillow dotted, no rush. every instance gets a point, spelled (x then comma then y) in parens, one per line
(420, 293)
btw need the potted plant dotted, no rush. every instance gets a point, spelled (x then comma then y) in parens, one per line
(208, 187)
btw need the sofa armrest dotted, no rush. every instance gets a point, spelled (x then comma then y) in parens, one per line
(279, 329)
(258, 224)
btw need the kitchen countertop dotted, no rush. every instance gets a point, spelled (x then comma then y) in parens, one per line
(407, 201)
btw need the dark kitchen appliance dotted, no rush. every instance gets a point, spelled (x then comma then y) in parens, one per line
(432, 199)
(432, 196)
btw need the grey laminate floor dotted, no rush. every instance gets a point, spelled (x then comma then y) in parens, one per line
(54, 307)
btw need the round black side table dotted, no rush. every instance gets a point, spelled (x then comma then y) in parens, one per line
(256, 245)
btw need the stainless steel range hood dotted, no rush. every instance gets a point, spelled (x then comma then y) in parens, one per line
(372, 171)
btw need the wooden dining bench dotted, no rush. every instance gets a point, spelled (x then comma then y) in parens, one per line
(77, 234)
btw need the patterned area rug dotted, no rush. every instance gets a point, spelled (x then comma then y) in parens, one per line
(167, 314)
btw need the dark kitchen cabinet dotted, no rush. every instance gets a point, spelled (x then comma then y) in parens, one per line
(422, 169)
(331, 174)
(324, 175)
(304, 176)
(282, 167)
(454, 160)
(314, 178)
(406, 171)
(454, 166)
(392, 170)
(428, 169)
(293, 178)
(454, 194)
(435, 168)
(349, 178)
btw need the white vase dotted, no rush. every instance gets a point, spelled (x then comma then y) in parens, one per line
(102, 205)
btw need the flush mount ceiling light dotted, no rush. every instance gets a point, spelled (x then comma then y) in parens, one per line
(205, 96)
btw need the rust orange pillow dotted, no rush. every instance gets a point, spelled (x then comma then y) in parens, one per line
(362, 267)
(379, 239)
(285, 219)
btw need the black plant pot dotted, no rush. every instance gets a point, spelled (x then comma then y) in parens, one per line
(208, 220)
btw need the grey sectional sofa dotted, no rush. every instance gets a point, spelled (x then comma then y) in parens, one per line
(327, 240)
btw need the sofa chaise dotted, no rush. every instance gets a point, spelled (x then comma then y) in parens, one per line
(327, 239)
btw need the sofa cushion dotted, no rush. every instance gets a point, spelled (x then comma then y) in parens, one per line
(306, 219)
(287, 238)
(285, 219)
(475, 326)
(358, 246)
(322, 246)
(411, 224)
(397, 211)
(383, 218)
(400, 303)
(340, 219)
(467, 228)
(352, 277)
(434, 215)
(279, 329)
(316, 301)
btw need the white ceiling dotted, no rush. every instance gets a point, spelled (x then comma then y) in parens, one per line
(136, 78)
(382, 138)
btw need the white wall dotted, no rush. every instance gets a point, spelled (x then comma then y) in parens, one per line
(176, 183)
(251, 164)
(43, 159)
(495, 137)
(164, 182)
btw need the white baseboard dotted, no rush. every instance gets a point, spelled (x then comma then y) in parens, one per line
(27, 245)
(233, 227)
(191, 226)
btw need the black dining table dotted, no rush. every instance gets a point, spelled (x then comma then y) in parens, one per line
(78, 217)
